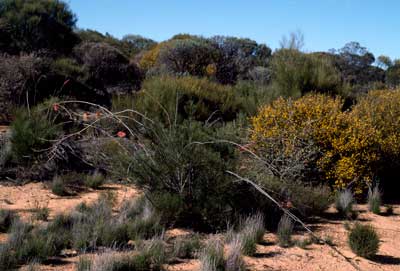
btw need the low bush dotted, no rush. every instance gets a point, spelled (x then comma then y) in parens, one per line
(41, 213)
(363, 240)
(7, 217)
(202, 191)
(186, 247)
(31, 133)
(285, 231)
(94, 180)
(344, 203)
(212, 256)
(374, 200)
(58, 186)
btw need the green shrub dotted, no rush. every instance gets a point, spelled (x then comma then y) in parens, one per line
(202, 190)
(94, 180)
(155, 251)
(285, 231)
(374, 200)
(363, 240)
(303, 243)
(41, 213)
(31, 132)
(252, 232)
(344, 202)
(83, 264)
(186, 247)
(173, 99)
(58, 186)
(6, 219)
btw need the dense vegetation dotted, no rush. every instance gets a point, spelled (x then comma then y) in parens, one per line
(178, 119)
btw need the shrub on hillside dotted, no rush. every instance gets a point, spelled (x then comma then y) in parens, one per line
(7, 217)
(363, 240)
(285, 231)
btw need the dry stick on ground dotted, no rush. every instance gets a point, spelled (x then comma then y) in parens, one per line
(292, 216)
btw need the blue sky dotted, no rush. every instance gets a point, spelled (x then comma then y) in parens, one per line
(325, 24)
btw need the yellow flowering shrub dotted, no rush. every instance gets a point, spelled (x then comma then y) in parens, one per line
(347, 144)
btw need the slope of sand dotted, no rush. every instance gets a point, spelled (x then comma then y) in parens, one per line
(269, 257)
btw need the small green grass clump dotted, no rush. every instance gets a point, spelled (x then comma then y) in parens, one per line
(344, 203)
(41, 213)
(363, 240)
(212, 256)
(186, 247)
(58, 186)
(95, 180)
(285, 231)
(6, 219)
(374, 200)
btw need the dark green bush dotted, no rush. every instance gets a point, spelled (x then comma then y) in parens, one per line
(202, 190)
(374, 200)
(31, 132)
(58, 186)
(186, 247)
(94, 180)
(7, 217)
(172, 99)
(363, 240)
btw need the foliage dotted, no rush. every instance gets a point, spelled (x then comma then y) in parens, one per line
(31, 25)
(316, 140)
(344, 202)
(172, 99)
(374, 200)
(363, 240)
(285, 231)
(7, 217)
(296, 73)
(234, 258)
(94, 180)
(108, 68)
(212, 256)
(186, 247)
(201, 185)
(31, 133)
(58, 186)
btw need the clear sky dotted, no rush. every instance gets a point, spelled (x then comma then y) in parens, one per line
(325, 24)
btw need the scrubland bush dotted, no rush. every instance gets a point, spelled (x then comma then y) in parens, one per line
(344, 202)
(285, 231)
(374, 200)
(58, 186)
(94, 180)
(202, 189)
(186, 247)
(172, 99)
(363, 240)
(7, 217)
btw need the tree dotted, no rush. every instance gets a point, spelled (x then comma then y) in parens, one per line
(384, 62)
(237, 57)
(108, 69)
(31, 25)
(187, 56)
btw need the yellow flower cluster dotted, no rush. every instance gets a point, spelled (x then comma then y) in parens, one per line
(351, 142)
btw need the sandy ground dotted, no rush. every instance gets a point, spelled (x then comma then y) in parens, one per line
(269, 256)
